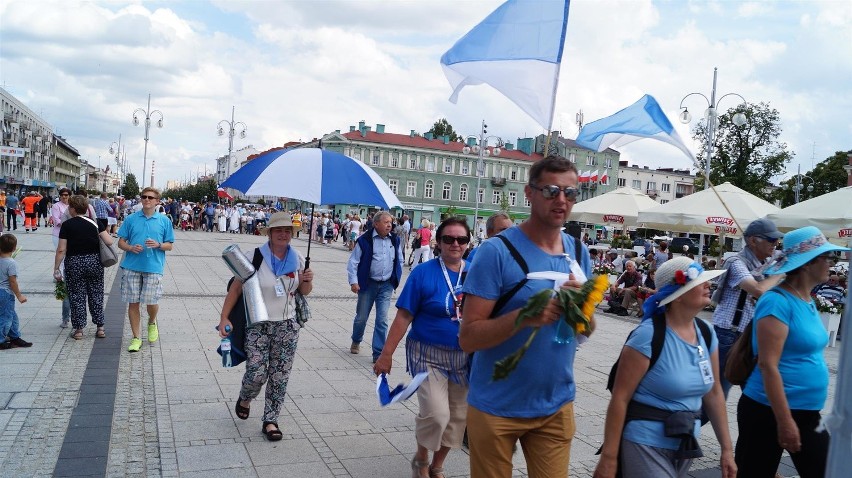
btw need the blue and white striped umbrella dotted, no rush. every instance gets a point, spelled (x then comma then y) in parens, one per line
(313, 175)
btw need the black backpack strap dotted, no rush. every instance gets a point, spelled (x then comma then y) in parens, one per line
(658, 339)
(505, 298)
(257, 260)
(738, 313)
(704, 327)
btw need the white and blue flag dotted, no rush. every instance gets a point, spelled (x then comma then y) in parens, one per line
(643, 119)
(517, 50)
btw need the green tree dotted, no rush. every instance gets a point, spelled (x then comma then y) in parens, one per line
(504, 203)
(828, 176)
(131, 187)
(747, 156)
(443, 127)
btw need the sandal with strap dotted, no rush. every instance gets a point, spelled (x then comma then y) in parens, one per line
(436, 473)
(77, 334)
(241, 411)
(273, 434)
(416, 465)
(100, 333)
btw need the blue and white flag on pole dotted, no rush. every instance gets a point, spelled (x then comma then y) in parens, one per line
(643, 119)
(517, 50)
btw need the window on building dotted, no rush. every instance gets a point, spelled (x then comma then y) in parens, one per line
(526, 201)
(463, 192)
(652, 186)
(430, 164)
(446, 191)
(513, 198)
(448, 165)
(481, 195)
(663, 201)
(412, 162)
(411, 188)
(393, 184)
(665, 187)
(608, 162)
(622, 182)
(357, 156)
(513, 174)
(375, 160)
(636, 184)
(495, 197)
(429, 190)
(572, 157)
(394, 161)
(591, 160)
(465, 168)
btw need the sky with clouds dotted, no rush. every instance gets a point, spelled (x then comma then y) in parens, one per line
(296, 70)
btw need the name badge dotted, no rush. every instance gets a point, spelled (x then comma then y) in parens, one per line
(706, 371)
(279, 289)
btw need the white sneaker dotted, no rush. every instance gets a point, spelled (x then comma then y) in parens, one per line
(64, 324)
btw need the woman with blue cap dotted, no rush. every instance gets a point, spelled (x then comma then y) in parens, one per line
(653, 419)
(781, 401)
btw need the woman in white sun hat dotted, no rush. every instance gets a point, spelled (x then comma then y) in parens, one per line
(653, 420)
(780, 405)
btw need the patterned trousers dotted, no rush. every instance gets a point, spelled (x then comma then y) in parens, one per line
(270, 350)
(84, 277)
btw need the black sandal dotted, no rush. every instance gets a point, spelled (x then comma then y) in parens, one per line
(274, 434)
(241, 411)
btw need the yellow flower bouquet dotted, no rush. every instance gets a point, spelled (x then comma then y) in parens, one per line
(578, 305)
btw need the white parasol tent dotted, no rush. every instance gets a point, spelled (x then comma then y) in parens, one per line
(619, 208)
(703, 212)
(831, 213)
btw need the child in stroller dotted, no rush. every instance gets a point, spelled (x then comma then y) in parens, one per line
(185, 222)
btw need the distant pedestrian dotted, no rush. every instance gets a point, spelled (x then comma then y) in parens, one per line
(374, 271)
(102, 211)
(661, 255)
(43, 208)
(30, 206)
(12, 204)
(145, 236)
(10, 333)
(424, 252)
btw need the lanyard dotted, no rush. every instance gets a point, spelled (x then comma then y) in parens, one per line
(456, 299)
(276, 265)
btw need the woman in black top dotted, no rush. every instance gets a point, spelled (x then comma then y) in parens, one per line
(84, 274)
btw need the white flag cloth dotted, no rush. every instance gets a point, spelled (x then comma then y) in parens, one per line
(643, 119)
(517, 50)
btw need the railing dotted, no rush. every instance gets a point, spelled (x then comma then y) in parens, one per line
(496, 181)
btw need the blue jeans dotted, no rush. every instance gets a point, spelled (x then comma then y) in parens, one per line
(380, 294)
(726, 341)
(66, 310)
(9, 325)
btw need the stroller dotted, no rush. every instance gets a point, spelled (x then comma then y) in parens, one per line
(185, 222)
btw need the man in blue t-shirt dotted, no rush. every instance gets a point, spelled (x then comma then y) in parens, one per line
(534, 404)
(145, 236)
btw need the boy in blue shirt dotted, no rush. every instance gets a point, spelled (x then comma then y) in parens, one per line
(9, 326)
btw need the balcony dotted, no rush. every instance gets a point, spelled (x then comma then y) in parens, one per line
(591, 185)
(653, 193)
(498, 182)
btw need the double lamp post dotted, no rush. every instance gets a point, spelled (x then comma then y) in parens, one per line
(481, 150)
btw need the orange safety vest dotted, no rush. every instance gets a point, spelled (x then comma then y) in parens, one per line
(29, 203)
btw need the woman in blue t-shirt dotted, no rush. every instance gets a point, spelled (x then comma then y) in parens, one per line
(780, 404)
(430, 303)
(653, 419)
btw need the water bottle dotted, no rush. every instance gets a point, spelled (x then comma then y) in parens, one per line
(225, 347)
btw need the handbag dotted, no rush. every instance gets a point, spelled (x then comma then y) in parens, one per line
(108, 253)
(415, 243)
(303, 312)
(741, 359)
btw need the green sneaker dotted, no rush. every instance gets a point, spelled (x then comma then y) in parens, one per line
(135, 345)
(153, 333)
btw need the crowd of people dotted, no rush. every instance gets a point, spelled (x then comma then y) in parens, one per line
(460, 313)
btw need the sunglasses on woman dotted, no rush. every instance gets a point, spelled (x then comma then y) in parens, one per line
(461, 240)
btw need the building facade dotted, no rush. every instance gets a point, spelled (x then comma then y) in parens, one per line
(64, 164)
(27, 148)
(225, 168)
(662, 184)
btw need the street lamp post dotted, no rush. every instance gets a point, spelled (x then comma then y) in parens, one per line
(147, 112)
(115, 148)
(797, 188)
(481, 150)
(231, 132)
(712, 116)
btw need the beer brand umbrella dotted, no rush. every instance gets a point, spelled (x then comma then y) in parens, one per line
(619, 207)
(831, 213)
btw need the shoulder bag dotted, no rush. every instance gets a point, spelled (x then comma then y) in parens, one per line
(741, 359)
(109, 254)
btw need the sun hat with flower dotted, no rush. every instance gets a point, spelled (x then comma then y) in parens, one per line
(800, 247)
(679, 275)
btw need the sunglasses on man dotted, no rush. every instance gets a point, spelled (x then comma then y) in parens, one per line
(550, 191)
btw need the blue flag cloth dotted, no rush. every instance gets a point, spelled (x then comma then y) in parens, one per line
(400, 392)
(517, 50)
(643, 119)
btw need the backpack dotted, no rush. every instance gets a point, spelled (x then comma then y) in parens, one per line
(657, 341)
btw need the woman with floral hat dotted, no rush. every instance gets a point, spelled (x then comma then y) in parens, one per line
(781, 401)
(653, 419)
